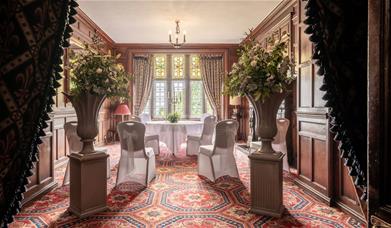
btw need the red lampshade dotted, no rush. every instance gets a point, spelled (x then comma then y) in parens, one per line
(122, 109)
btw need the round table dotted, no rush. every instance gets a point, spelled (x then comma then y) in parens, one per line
(173, 134)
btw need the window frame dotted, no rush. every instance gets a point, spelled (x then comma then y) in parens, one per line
(169, 65)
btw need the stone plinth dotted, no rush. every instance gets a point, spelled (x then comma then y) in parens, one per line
(88, 183)
(266, 183)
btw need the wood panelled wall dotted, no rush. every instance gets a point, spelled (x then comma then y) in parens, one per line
(53, 152)
(320, 171)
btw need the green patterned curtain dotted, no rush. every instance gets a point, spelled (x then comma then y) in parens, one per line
(212, 73)
(142, 81)
(33, 34)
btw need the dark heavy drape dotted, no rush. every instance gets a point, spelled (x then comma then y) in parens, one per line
(32, 35)
(338, 30)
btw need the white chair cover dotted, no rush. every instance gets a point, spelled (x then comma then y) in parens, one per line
(136, 163)
(204, 115)
(75, 146)
(194, 142)
(218, 160)
(145, 117)
(150, 140)
(279, 141)
(135, 118)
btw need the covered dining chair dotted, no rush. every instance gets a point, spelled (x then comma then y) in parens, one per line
(194, 142)
(150, 139)
(75, 146)
(136, 163)
(204, 115)
(218, 160)
(279, 141)
(145, 117)
(134, 118)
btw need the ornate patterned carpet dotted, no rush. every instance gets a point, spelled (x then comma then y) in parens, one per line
(178, 197)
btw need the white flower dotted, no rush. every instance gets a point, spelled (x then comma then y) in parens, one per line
(253, 63)
(271, 77)
(98, 71)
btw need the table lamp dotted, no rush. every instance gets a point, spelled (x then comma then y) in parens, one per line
(235, 101)
(122, 110)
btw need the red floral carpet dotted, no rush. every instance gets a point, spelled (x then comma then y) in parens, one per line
(178, 197)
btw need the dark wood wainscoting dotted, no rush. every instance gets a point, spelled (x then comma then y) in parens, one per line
(314, 157)
(42, 180)
(60, 143)
(346, 195)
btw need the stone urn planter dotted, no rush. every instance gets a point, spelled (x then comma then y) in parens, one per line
(88, 168)
(265, 163)
(87, 108)
(265, 119)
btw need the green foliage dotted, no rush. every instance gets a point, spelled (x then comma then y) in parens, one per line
(173, 117)
(94, 72)
(259, 72)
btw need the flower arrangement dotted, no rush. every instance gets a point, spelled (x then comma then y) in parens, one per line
(173, 117)
(98, 73)
(258, 72)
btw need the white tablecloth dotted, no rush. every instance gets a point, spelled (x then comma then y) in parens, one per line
(173, 134)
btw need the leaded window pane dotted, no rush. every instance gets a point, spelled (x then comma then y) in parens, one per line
(178, 66)
(196, 98)
(195, 69)
(160, 98)
(160, 66)
(178, 97)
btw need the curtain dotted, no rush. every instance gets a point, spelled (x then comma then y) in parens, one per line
(142, 81)
(342, 63)
(31, 48)
(212, 74)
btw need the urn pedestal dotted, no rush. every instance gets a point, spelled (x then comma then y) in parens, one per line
(88, 185)
(265, 163)
(266, 184)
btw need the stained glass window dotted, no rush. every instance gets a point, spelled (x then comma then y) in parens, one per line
(195, 69)
(178, 62)
(160, 66)
(177, 87)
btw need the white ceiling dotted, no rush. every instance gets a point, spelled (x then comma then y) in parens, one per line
(135, 21)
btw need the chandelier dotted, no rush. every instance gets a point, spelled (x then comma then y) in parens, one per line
(176, 43)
